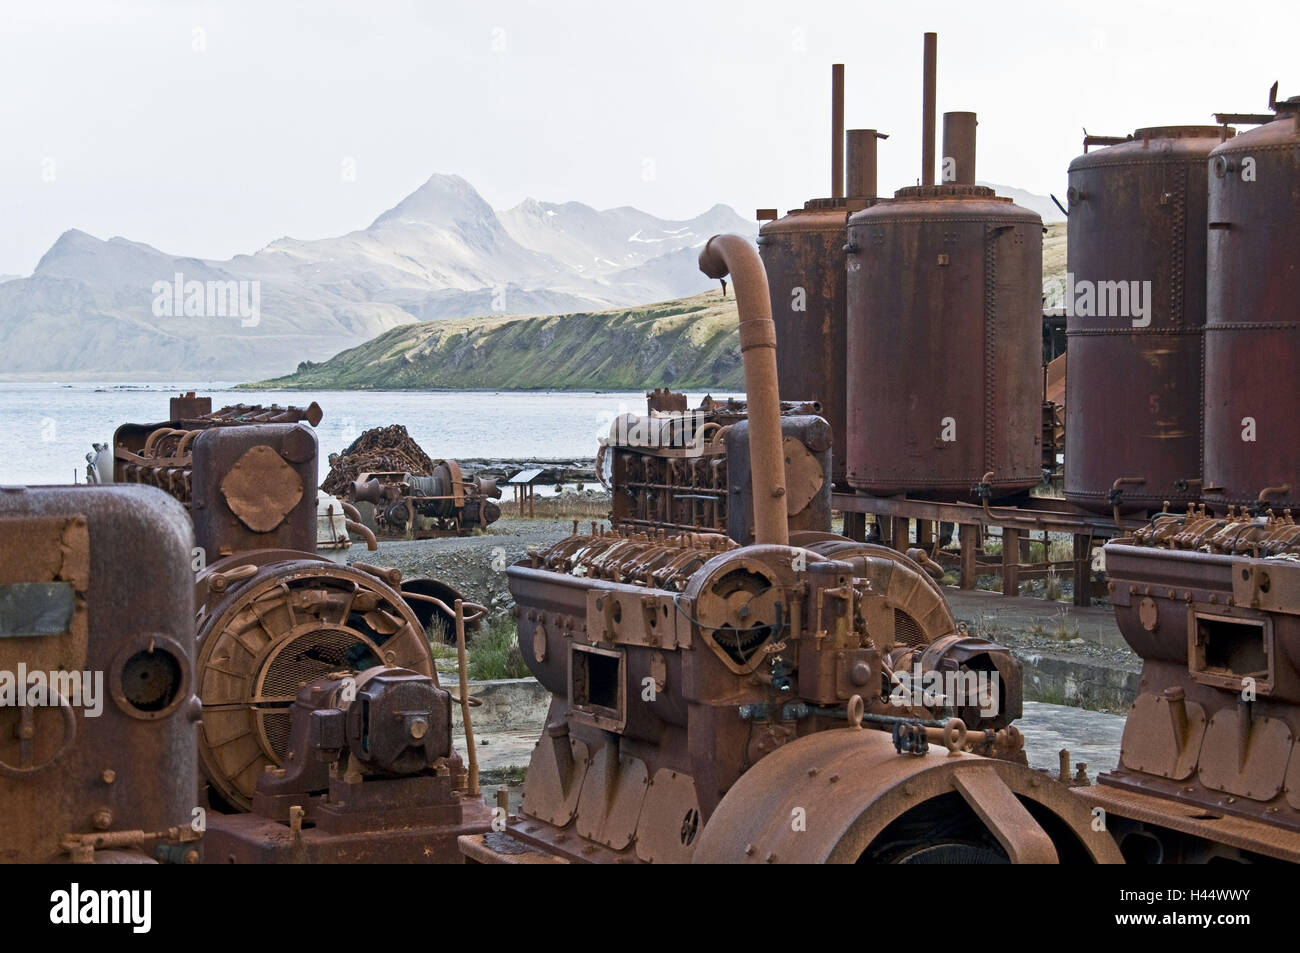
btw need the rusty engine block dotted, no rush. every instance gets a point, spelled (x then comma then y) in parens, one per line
(411, 506)
(1210, 759)
(681, 470)
(717, 702)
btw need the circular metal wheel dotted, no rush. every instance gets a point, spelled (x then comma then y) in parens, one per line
(266, 636)
(862, 802)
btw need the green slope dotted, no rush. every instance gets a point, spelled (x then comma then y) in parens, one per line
(692, 344)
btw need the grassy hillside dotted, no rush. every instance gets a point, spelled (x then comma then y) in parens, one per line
(688, 344)
(691, 343)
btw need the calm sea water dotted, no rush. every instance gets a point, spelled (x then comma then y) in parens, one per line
(46, 429)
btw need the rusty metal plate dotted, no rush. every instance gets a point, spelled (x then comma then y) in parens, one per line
(633, 615)
(1152, 741)
(1262, 763)
(261, 489)
(55, 552)
(1293, 778)
(551, 789)
(804, 475)
(671, 797)
(612, 794)
(36, 608)
(1268, 585)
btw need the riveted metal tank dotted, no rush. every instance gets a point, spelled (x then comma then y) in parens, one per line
(804, 258)
(945, 280)
(1252, 331)
(1134, 298)
(803, 254)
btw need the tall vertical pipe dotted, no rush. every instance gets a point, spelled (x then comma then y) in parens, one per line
(862, 163)
(837, 131)
(723, 254)
(959, 148)
(927, 108)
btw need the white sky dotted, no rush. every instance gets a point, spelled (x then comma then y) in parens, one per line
(219, 151)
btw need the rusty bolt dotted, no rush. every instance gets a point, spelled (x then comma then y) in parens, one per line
(109, 775)
(191, 856)
(103, 819)
(419, 728)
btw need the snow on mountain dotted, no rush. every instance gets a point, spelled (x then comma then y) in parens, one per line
(92, 306)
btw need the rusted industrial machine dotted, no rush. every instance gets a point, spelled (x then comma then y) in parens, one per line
(1135, 305)
(677, 470)
(284, 637)
(1210, 762)
(97, 680)
(715, 702)
(410, 506)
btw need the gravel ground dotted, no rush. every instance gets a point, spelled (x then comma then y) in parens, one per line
(473, 564)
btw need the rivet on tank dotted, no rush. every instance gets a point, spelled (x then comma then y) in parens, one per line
(946, 280)
(803, 255)
(1134, 298)
(1252, 331)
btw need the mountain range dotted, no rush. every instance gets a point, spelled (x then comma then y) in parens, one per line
(119, 309)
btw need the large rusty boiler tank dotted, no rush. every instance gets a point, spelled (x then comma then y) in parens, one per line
(1252, 329)
(944, 330)
(97, 710)
(803, 255)
(1134, 300)
(705, 694)
(944, 344)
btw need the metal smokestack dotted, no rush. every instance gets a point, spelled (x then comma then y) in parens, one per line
(958, 149)
(837, 131)
(927, 108)
(862, 162)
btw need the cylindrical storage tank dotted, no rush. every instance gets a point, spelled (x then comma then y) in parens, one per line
(1252, 330)
(944, 344)
(803, 254)
(1134, 300)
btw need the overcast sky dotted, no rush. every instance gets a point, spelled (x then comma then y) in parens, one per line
(211, 128)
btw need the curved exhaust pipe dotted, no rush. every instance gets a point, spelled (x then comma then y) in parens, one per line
(731, 254)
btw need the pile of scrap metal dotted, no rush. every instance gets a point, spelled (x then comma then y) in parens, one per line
(378, 450)
(404, 505)
(681, 470)
(401, 493)
(718, 702)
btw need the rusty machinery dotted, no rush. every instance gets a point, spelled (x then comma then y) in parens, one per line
(1210, 759)
(283, 633)
(442, 503)
(97, 743)
(1209, 598)
(678, 470)
(704, 692)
